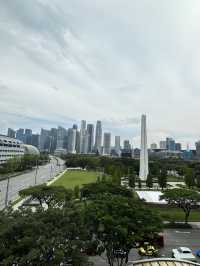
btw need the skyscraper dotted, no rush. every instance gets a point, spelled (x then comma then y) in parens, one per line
(83, 136)
(11, 133)
(71, 140)
(127, 145)
(20, 134)
(90, 132)
(163, 144)
(144, 165)
(170, 144)
(117, 144)
(28, 136)
(98, 137)
(107, 144)
(61, 138)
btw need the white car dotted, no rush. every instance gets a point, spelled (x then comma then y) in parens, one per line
(183, 253)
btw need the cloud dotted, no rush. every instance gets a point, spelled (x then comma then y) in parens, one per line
(108, 60)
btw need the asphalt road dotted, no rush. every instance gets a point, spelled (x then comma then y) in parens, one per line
(44, 173)
(174, 238)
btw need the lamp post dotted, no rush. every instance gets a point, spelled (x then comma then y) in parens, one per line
(36, 171)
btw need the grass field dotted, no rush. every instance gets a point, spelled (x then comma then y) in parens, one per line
(73, 178)
(176, 214)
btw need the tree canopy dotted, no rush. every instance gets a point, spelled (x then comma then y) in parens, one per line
(185, 199)
(118, 222)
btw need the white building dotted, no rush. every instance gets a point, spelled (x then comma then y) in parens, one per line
(10, 148)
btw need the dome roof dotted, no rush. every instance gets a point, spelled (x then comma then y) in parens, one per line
(29, 149)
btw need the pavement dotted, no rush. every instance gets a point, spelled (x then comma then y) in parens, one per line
(173, 238)
(42, 175)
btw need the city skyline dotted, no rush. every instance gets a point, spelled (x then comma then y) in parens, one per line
(68, 63)
(94, 140)
(135, 141)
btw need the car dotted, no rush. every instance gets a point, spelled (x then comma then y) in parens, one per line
(183, 253)
(198, 252)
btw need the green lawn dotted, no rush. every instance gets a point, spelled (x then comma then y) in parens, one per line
(73, 178)
(176, 214)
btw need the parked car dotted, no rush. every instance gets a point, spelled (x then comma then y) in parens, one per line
(198, 252)
(183, 253)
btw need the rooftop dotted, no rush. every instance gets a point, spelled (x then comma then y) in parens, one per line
(162, 262)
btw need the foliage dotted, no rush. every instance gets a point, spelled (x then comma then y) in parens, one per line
(132, 178)
(149, 181)
(183, 198)
(43, 238)
(162, 178)
(117, 223)
(93, 190)
(52, 196)
(28, 161)
(189, 177)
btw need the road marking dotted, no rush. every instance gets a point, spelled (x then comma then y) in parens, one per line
(180, 232)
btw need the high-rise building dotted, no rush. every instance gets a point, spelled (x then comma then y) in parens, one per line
(98, 137)
(20, 134)
(53, 139)
(77, 141)
(90, 133)
(170, 144)
(127, 145)
(198, 149)
(107, 144)
(117, 144)
(144, 164)
(83, 136)
(61, 138)
(28, 136)
(71, 147)
(154, 146)
(75, 126)
(11, 133)
(178, 146)
(35, 140)
(44, 140)
(163, 145)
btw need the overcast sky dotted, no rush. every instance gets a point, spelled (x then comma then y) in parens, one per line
(66, 60)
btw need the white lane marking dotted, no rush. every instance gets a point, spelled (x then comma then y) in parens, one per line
(180, 232)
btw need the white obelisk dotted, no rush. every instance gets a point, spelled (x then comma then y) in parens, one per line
(144, 164)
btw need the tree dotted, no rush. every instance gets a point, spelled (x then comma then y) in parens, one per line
(117, 223)
(50, 195)
(93, 190)
(76, 192)
(162, 178)
(189, 177)
(43, 238)
(132, 178)
(149, 181)
(185, 199)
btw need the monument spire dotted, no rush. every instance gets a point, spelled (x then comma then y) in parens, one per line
(144, 164)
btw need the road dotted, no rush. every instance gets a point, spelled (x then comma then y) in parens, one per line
(173, 238)
(40, 175)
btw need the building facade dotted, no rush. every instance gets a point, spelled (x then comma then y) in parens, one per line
(98, 137)
(107, 144)
(10, 148)
(90, 132)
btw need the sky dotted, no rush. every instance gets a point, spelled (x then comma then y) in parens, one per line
(64, 61)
